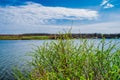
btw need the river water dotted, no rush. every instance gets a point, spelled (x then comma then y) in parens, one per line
(13, 53)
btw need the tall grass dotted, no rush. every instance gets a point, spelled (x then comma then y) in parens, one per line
(63, 59)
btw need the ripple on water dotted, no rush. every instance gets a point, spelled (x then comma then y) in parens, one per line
(12, 53)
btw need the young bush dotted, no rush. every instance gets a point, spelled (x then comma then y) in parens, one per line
(66, 60)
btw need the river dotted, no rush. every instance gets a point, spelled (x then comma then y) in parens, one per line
(13, 53)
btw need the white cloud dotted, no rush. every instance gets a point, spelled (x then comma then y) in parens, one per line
(101, 27)
(34, 13)
(106, 4)
(29, 18)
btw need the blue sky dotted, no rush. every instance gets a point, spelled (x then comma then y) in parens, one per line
(52, 16)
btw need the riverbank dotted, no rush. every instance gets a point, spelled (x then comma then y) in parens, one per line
(43, 36)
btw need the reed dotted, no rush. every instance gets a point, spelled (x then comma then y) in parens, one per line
(64, 59)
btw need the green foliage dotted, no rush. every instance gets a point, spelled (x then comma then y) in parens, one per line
(34, 37)
(66, 60)
(9, 37)
(24, 37)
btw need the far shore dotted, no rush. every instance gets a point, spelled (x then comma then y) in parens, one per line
(43, 36)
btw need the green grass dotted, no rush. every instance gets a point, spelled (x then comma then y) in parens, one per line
(35, 37)
(24, 37)
(65, 60)
(9, 38)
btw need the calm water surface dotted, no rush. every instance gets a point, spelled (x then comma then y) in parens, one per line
(13, 53)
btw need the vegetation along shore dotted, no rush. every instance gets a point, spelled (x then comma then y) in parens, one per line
(40, 36)
(65, 60)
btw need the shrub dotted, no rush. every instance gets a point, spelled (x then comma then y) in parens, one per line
(64, 59)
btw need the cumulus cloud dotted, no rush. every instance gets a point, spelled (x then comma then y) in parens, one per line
(33, 13)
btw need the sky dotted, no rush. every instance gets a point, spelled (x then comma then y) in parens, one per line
(53, 16)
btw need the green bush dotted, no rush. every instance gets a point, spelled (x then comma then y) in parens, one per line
(64, 59)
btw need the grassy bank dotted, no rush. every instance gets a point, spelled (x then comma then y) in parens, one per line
(39, 36)
(66, 60)
(24, 37)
